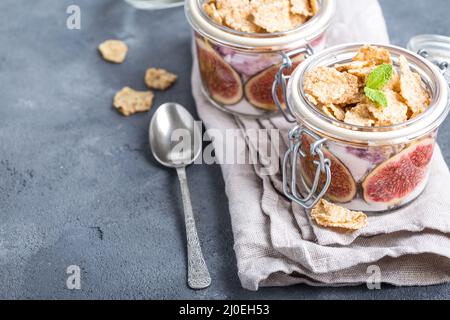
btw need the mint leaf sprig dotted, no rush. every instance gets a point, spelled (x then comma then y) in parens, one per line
(376, 96)
(376, 81)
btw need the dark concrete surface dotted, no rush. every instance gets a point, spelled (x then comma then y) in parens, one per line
(78, 185)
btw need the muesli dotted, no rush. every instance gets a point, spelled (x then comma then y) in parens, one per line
(368, 91)
(261, 16)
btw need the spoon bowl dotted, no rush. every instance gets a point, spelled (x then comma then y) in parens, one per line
(175, 138)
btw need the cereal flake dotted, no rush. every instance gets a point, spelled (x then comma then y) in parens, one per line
(373, 55)
(314, 6)
(113, 51)
(329, 215)
(362, 74)
(335, 90)
(236, 14)
(412, 88)
(273, 16)
(297, 19)
(396, 111)
(354, 65)
(327, 111)
(334, 111)
(359, 116)
(260, 16)
(159, 79)
(211, 10)
(394, 84)
(128, 101)
(238, 19)
(312, 99)
(301, 7)
(329, 86)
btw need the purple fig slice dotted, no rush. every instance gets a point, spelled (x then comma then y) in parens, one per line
(343, 186)
(397, 178)
(258, 89)
(222, 82)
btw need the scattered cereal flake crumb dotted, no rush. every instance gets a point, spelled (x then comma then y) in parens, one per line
(396, 111)
(373, 55)
(273, 16)
(359, 116)
(301, 7)
(329, 86)
(211, 11)
(330, 215)
(113, 51)
(159, 79)
(412, 88)
(128, 101)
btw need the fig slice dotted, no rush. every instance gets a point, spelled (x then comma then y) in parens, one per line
(258, 89)
(222, 82)
(395, 179)
(343, 186)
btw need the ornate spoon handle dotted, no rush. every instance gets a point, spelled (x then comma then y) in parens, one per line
(198, 274)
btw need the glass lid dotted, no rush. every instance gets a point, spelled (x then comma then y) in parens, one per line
(435, 48)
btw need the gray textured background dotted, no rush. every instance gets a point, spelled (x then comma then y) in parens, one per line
(77, 182)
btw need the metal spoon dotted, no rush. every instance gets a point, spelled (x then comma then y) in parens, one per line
(170, 122)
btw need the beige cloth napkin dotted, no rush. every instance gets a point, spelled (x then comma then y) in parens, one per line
(275, 242)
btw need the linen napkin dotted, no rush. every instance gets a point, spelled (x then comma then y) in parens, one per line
(276, 244)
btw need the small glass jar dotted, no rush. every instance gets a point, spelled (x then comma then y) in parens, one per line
(238, 68)
(370, 169)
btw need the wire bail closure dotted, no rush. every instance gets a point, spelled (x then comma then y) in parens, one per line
(292, 157)
(295, 151)
(281, 80)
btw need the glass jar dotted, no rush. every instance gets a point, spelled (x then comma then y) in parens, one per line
(370, 169)
(238, 68)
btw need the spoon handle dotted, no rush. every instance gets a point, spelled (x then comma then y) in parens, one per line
(198, 274)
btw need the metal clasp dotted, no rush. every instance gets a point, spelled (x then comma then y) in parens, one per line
(282, 79)
(323, 166)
